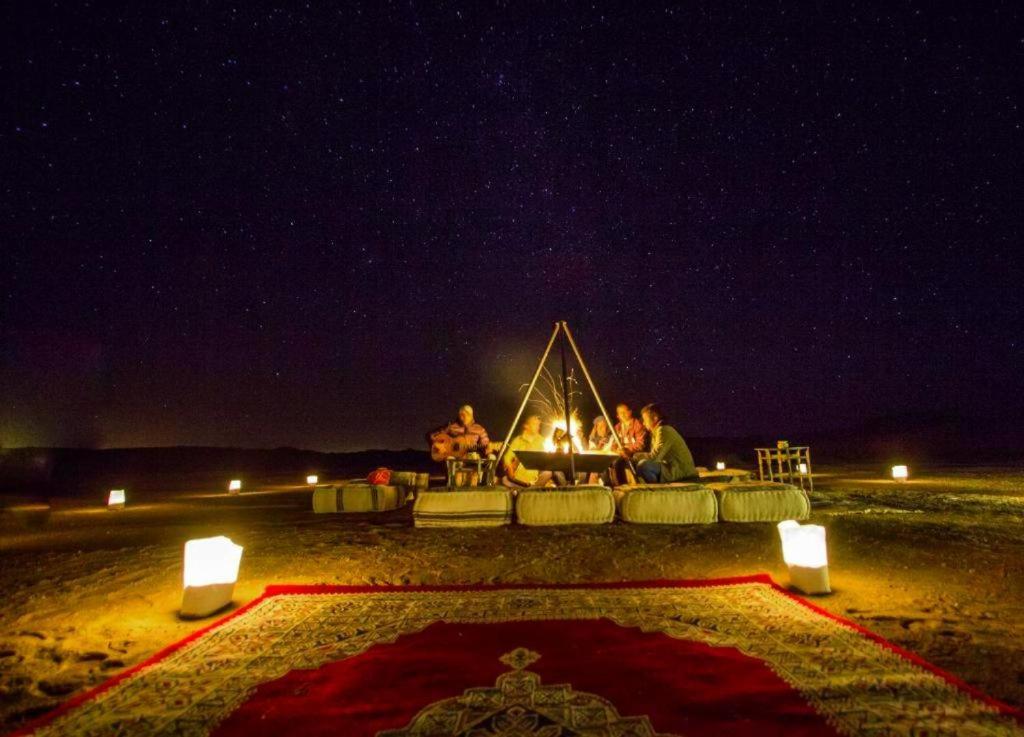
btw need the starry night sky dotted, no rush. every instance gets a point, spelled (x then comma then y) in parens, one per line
(328, 227)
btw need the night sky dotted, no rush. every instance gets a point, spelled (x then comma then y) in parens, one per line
(327, 227)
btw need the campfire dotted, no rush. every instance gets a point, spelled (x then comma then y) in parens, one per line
(558, 440)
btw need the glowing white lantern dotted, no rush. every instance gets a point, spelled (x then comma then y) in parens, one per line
(211, 569)
(899, 473)
(720, 466)
(312, 479)
(803, 469)
(115, 499)
(806, 556)
(234, 486)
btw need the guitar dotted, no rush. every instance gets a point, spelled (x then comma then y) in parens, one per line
(443, 445)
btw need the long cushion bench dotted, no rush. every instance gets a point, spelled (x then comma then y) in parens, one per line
(580, 505)
(357, 497)
(673, 504)
(761, 501)
(480, 507)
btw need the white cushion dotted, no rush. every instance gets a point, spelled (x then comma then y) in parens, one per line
(761, 501)
(580, 505)
(674, 504)
(480, 507)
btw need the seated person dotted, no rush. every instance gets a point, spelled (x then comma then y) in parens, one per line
(600, 436)
(633, 436)
(669, 459)
(518, 476)
(600, 440)
(466, 428)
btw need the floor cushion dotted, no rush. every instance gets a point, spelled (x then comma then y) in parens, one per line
(761, 501)
(580, 505)
(325, 499)
(479, 507)
(671, 504)
(410, 479)
(357, 497)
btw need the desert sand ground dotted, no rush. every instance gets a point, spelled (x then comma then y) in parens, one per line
(936, 565)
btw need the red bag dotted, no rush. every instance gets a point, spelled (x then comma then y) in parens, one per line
(379, 477)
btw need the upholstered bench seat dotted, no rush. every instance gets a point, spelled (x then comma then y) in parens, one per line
(480, 507)
(761, 501)
(667, 504)
(357, 497)
(579, 505)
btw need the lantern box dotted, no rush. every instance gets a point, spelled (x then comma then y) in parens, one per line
(234, 486)
(720, 466)
(899, 473)
(806, 555)
(115, 499)
(312, 479)
(211, 570)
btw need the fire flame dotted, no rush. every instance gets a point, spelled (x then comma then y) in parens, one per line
(559, 425)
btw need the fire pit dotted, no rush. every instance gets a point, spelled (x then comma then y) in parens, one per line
(538, 460)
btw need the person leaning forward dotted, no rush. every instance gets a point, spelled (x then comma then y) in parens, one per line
(669, 459)
(516, 475)
(633, 436)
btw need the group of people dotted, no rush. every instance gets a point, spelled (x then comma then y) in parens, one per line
(647, 446)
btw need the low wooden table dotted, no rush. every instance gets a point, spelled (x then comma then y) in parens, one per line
(484, 468)
(726, 476)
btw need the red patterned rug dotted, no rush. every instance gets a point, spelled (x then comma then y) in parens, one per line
(719, 657)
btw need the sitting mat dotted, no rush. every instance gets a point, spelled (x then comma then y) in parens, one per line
(363, 497)
(480, 507)
(579, 505)
(673, 504)
(325, 499)
(761, 501)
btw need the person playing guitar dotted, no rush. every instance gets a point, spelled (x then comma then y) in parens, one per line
(456, 439)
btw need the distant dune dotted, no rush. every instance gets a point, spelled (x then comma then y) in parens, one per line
(42, 472)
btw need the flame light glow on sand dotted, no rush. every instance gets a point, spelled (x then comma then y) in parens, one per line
(115, 499)
(312, 479)
(806, 555)
(899, 473)
(211, 569)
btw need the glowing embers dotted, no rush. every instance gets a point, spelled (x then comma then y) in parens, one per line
(211, 569)
(234, 486)
(899, 473)
(115, 499)
(312, 479)
(806, 556)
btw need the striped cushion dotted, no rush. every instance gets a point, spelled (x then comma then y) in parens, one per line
(673, 504)
(580, 505)
(761, 501)
(480, 507)
(357, 497)
(325, 499)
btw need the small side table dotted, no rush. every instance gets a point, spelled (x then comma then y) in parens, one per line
(786, 463)
(484, 468)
